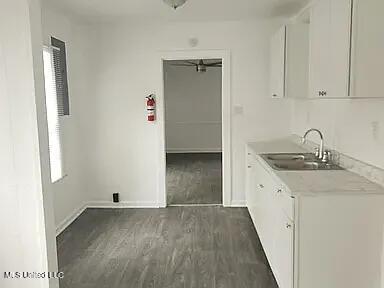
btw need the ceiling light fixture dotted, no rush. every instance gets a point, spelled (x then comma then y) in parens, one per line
(175, 3)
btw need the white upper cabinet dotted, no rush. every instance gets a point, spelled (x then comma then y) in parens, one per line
(367, 49)
(297, 58)
(277, 69)
(319, 48)
(330, 26)
(332, 49)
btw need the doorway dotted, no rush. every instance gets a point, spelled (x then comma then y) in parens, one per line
(193, 131)
(197, 55)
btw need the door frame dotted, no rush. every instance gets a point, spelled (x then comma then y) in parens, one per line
(226, 118)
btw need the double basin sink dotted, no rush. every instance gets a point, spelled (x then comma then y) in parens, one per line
(298, 162)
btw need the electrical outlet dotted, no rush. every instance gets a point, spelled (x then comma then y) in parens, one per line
(116, 197)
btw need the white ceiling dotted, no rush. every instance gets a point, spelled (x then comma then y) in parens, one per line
(193, 10)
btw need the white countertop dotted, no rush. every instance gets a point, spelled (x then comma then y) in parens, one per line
(313, 182)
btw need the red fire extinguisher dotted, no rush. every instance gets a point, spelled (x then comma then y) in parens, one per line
(151, 108)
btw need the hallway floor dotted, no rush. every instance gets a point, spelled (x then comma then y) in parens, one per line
(192, 247)
(194, 178)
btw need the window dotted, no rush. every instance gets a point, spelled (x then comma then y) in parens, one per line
(51, 99)
(60, 66)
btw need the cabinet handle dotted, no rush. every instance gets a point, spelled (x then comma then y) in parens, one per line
(322, 93)
(279, 191)
(249, 166)
(274, 95)
(289, 226)
(261, 185)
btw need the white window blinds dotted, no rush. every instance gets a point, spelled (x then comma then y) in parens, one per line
(59, 81)
(60, 65)
(54, 134)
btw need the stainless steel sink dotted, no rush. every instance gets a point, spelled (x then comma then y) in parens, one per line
(305, 166)
(298, 162)
(290, 157)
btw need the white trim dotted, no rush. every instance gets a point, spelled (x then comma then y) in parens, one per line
(194, 150)
(194, 123)
(238, 203)
(226, 117)
(123, 204)
(195, 205)
(102, 205)
(128, 205)
(70, 218)
(352, 53)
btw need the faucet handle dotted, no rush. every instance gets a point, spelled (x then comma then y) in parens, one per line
(327, 157)
(317, 152)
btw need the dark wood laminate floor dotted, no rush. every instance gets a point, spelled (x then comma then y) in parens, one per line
(175, 247)
(194, 178)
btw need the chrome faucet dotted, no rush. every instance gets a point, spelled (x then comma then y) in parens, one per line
(321, 147)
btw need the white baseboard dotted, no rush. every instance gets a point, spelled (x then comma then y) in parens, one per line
(123, 204)
(238, 203)
(68, 220)
(100, 204)
(195, 205)
(107, 204)
(210, 150)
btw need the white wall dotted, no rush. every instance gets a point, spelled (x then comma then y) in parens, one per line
(70, 193)
(352, 126)
(122, 147)
(26, 219)
(193, 109)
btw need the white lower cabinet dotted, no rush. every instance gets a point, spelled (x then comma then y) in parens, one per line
(282, 261)
(332, 240)
(270, 211)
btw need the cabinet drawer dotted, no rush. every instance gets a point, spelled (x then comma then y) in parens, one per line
(265, 180)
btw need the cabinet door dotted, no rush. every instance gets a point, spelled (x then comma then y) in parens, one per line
(283, 256)
(277, 61)
(330, 48)
(251, 191)
(340, 49)
(297, 57)
(267, 208)
(255, 197)
(319, 48)
(367, 49)
(260, 205)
